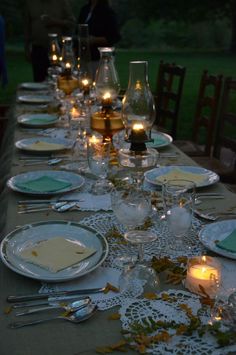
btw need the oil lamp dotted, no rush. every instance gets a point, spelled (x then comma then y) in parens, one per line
(138, 115)
(106, 120)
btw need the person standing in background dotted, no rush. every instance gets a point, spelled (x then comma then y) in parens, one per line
(42, 17)
(103, 27)
(3, 66)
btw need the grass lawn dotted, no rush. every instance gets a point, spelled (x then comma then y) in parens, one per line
(216, 63)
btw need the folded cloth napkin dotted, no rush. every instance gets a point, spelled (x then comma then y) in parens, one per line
(42, 119)
(41, 145)
(229, 243)
(158, 140)
(43, 184)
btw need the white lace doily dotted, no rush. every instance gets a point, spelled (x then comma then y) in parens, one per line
(99, 278)
(105, 222)
(140, 310)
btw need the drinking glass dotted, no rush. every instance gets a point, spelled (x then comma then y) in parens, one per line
(132, 207)
(178, 200)
(98, 153)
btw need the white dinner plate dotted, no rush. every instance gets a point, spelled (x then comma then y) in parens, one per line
(35, 99)
(208, 177)
(75, 180)
(160, 140)
(34, 86)
(62, 144)
(37, 119)
(217, 231)
(29, 235)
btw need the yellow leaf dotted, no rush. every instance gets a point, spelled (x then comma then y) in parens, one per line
(150, 296)
(110, 287)
(114, 316)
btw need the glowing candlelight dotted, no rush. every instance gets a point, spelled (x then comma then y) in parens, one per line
(68, 66)
(138, 127)
(75, 112)
(94, 140)
(204, 271)
(106, 99)
(54, 57)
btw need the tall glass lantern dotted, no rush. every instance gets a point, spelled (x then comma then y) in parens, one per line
(107, 80)
(54, 51)
(67, 55)
(138, 107)
(138, 115)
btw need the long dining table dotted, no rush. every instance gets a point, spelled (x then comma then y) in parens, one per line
(59, 337)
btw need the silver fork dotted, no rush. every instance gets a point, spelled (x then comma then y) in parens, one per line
(213, 216)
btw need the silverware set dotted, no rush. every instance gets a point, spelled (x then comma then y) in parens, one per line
(38, 160)
(31, 206)
(76, 307)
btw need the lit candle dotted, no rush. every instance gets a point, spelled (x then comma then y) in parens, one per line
(75, 112)
(138, 133)
(54, 58)
(85, 86)
(106, 100)
(204, 271)
(94, 140)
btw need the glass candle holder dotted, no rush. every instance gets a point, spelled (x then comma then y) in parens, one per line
(203, 275)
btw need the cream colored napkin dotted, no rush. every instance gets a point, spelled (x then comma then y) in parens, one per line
(180, 174)
(41, 145)
(56, 254)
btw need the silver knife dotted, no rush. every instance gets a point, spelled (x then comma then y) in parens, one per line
(42, 296)
(48, 301)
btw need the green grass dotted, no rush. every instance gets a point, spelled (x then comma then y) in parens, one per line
(216, 63)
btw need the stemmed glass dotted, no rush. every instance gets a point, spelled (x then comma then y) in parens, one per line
(131, 207)
(98, 153)
(178, 200)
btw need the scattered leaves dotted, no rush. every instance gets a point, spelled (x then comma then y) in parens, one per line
(114, 316)
(7, 310)
(109, 287)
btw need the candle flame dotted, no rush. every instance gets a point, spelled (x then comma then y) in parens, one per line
(54, 57)
(85, 82)
(106, 96)
(68, 65)
(138, 127)
(204, 258)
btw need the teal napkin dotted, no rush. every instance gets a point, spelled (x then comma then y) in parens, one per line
(41, 120)
(159, 140)
(43, 184)
(229, 243)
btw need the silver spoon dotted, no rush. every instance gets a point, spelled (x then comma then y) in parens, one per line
(70, 307)
(75, 317)
(50, 162)
(58, 207)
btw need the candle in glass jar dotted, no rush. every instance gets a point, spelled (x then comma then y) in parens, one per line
(204, 271)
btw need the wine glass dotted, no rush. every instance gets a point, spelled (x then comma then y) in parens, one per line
(132, 207)
(98, 153)
(178, 200)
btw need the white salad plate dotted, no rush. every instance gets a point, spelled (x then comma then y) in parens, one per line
(75, 181)
(203, 177)
(160, 140)
(61, 144)
(216, 232)
(35, 99)
(37, 119)
(31, 234)
(34, 86)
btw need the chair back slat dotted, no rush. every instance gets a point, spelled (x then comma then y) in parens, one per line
(170, 82)
(226, 129)
(207, 109)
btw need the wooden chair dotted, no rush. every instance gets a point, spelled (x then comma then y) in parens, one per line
(170, 82)
(223, 160)
(205, 117)
(3, 120)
